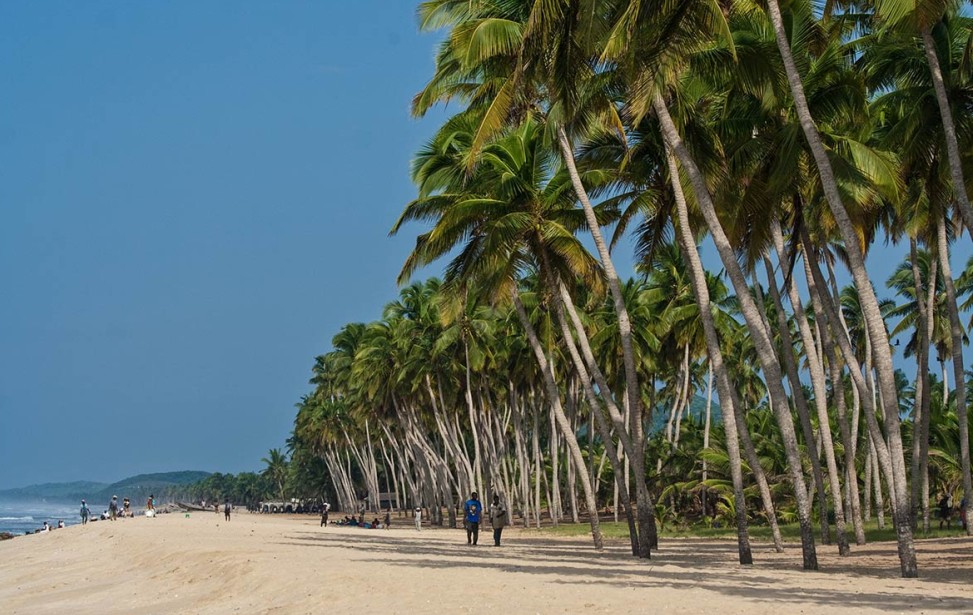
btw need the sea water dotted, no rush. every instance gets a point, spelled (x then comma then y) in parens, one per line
(19, 518)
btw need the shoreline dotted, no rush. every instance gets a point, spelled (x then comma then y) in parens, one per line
(262, 563)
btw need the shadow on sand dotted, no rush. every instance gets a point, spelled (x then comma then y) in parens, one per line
(697, 564)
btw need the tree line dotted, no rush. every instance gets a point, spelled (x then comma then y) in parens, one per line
(793, 137)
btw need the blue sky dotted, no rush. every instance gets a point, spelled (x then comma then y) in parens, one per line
(194, 197)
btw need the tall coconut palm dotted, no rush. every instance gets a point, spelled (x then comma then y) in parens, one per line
(929, 18)
(856, 263)
(512, 215)
(500, 58)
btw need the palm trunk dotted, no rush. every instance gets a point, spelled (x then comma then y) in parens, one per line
(761, 337)
(800, 402)
(646, 517)
(949, 128)
(881, 452)
(621, 311)
(688, 244)
(869, 303)
(959, 374)
(595, 405)
(879, 500)
(920, 404)
(547, 371)
(927, 398)
(630, 445)
(867, 505)
(477, 456)
(706, 426)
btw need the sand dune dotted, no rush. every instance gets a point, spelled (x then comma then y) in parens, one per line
(273, 564)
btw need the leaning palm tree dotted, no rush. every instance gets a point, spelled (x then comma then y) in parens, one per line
(856, 264)
(643, 74)
(930, 19)
(512, 215)
(509, 58)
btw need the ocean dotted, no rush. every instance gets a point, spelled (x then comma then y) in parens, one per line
(21, 517)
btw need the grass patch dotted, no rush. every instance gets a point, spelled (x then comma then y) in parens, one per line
(758, 533)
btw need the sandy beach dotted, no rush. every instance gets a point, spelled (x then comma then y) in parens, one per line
(276, 564)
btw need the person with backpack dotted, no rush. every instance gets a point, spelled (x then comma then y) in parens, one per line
(498, 519)
(472, 509)
(85, 513)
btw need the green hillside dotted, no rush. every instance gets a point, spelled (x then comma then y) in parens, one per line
(137, 488)
(52, 491)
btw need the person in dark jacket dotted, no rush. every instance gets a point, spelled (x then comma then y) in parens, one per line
(945, 511)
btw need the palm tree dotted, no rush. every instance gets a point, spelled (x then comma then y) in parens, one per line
(856, 263)
(510, 216)
(499, 57)
(276, 469)
(931, 20)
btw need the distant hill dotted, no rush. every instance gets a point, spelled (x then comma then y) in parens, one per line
(137, 488)
(52, 491)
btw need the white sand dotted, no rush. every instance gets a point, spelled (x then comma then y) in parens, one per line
(275, 564)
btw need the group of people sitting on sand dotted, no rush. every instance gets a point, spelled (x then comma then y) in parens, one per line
(47, 527)
(375, 524)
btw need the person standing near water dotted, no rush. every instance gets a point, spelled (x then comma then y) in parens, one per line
(85, 513)
(498, 519)
(113, 507)
(473, 509)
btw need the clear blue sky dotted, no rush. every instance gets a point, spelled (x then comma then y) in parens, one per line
(194, 197)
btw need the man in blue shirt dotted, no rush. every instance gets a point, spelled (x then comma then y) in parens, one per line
(472, 510)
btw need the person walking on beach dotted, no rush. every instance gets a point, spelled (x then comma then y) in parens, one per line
(85, 513)
(498, 519)
(227, 507)
(418, 515)
(324, 514)
(388, 518)
(113, 507)
(473, 509)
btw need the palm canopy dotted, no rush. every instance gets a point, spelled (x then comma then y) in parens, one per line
(513, 214)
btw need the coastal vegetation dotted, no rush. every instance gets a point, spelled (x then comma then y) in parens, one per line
(795, 138)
